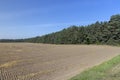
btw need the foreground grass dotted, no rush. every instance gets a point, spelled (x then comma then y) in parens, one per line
(109, 70)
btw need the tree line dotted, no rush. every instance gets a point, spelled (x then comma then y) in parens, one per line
(107, 32)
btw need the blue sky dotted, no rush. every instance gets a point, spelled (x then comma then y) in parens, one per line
(29, 18)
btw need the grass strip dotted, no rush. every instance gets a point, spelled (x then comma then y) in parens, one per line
(103, 71)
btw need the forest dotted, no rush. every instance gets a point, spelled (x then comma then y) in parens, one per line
(107, 32)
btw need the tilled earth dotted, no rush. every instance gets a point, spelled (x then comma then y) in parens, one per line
(27, 61)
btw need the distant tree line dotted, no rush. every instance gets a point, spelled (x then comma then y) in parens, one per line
(11, 40)
(98, 33)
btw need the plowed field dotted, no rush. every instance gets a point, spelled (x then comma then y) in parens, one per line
(27, 61)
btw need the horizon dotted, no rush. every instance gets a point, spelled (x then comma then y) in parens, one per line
(26, 19)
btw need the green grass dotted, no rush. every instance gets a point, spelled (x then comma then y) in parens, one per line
(109, 70)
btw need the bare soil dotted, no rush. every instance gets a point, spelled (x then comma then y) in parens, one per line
(27, 61)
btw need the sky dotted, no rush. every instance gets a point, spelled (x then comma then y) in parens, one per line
(30, 18)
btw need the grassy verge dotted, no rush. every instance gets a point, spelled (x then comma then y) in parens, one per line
(109, 70)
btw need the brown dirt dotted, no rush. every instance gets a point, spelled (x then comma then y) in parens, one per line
(27, 61)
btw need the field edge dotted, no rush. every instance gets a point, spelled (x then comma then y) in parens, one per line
(100, 72)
